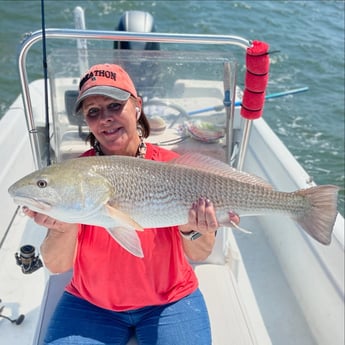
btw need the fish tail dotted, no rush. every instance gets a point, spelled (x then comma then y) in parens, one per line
(319, 219)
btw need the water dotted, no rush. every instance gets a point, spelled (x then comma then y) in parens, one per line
(308, 34)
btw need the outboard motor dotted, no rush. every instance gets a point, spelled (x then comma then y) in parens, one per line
(136, 21)
(145, 73)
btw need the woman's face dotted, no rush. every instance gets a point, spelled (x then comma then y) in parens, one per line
(113, 123)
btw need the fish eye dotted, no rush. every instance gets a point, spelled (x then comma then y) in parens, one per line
(42, 183)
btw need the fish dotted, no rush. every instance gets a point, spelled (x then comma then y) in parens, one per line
(125, 194)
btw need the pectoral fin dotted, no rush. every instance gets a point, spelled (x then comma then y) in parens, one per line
(128, 239)
(124, 218)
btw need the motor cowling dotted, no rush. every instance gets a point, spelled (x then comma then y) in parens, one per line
(136, 21)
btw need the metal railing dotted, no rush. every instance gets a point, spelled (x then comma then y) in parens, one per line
(98, 35)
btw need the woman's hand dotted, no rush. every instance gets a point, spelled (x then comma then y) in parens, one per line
(46, 221)
(59, 245)
(202, 219)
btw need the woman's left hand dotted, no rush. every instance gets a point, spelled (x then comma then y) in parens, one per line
(202, 218)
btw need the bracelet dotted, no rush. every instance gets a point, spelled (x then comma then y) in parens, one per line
(191, 235)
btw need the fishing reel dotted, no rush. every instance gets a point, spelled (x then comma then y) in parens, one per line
(27, 259)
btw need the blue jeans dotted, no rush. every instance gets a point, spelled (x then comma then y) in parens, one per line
(76, 321)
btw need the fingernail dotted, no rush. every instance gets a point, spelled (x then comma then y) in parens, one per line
(208, 202)
(25, 209)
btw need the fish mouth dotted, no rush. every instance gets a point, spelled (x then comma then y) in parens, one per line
(32, 203)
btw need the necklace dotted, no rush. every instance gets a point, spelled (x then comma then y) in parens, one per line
(141, 151)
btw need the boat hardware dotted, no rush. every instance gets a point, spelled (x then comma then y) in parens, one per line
(181, 112)
(171, 141)
(229, 81)
(27, 260)
(17, 321)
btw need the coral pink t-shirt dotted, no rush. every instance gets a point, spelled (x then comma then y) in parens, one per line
(108, 276)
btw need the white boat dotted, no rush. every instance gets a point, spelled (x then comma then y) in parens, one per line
(276, 285)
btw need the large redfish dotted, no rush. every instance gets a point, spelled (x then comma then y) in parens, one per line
(124, 194)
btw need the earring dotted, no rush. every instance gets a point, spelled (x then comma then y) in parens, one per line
(138, 112)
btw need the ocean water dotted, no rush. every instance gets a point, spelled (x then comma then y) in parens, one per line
(308, 35)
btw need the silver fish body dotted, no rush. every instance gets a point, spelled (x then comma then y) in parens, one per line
(124, 193)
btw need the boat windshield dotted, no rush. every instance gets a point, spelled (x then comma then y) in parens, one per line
(183, 95)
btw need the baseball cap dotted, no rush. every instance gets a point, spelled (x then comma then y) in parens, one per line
(107, 80)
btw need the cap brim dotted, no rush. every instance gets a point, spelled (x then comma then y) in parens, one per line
(107, 91)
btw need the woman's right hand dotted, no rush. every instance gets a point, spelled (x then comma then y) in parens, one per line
(59, 246)
(46, 221)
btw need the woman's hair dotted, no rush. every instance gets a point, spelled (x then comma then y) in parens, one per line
(143, 126)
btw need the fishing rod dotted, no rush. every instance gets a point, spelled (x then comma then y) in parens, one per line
(45, 74)
(238, 103)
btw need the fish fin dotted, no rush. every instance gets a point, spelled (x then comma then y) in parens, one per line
(128, 239)
(231, 224)
(211, 165)
(234, 225)
(123, 217)
(319, 219)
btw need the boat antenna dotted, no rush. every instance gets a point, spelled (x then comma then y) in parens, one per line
(45, 74)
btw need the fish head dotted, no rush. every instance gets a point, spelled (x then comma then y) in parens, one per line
(64, 191)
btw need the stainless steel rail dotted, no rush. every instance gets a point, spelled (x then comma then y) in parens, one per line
(36, 36)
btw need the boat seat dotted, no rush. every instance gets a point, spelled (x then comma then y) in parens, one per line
(72, 145)
(72, 130)
(70, 100)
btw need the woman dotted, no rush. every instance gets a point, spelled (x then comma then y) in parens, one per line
(113, 293)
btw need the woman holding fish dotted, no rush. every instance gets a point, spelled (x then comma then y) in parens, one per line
(113, 293)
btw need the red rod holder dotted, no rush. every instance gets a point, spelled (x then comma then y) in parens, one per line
(256, 79)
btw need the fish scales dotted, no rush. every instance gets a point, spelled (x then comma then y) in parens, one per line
(166, 193)
(123, 194)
